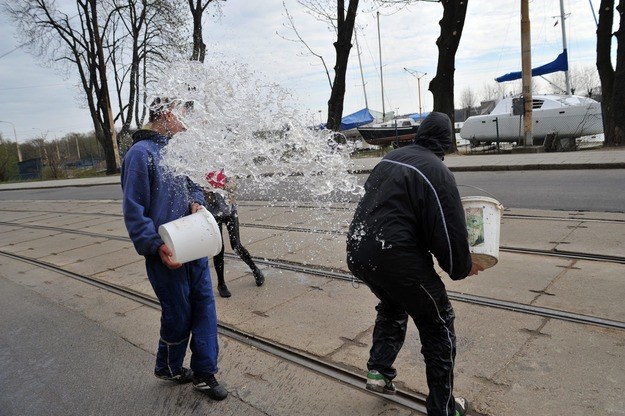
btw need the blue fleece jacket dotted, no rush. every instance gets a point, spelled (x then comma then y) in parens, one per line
(152, 195)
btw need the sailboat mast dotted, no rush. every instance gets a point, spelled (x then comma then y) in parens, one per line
(362, 77)
(381, 76)
(562, 19)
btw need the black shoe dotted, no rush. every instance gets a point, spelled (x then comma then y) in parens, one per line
(258, 276)
(223, 291)
(182, 376)
(211, 387)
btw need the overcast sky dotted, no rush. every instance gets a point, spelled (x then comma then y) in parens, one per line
(38, 100)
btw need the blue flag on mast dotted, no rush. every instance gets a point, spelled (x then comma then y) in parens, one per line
(561, 63)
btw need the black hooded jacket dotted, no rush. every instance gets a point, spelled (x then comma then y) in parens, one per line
(412, 206)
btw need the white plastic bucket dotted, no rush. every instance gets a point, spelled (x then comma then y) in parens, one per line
(192, 237)
(483, 217)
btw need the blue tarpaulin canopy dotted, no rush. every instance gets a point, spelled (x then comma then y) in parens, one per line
(416, 116)
(561, 63)
(356, 119)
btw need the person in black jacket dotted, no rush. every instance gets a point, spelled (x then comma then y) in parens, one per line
(411, 209)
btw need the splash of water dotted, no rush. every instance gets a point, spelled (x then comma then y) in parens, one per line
(251, 129)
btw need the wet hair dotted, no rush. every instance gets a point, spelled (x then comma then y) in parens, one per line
(161, 105)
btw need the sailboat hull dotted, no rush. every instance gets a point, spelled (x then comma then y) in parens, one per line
(565, 121)
(379, 136)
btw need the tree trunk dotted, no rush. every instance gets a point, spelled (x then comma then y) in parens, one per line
(199, 47)
(442, 85)
(604, 67)
(343, 45)
(111, 148)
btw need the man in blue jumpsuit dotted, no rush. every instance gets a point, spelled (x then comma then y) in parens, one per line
(411, 210)
(153, 197)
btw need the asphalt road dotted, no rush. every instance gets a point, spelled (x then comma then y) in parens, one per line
(598, 190)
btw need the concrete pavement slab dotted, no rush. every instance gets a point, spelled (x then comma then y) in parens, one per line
(541, 235)
(47, 246)
(582, 363)
(517, 278)
(283, 246)
(95, 264)
(126, 275)
(251, 304)
(113, 227)
(301, 321)
(31, 217)
(318, 219)
(11, 238)
(588, 288)
(608, 239)
(251, 237)
(80, 254)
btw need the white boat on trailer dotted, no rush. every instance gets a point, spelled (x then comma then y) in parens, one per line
(564, 116)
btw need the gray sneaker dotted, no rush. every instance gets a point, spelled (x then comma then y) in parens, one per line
(211, 387)
(379, 383)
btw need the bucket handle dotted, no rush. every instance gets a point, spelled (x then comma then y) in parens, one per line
(479, 189)
(482, 190)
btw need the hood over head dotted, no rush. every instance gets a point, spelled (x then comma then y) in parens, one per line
(435, 133)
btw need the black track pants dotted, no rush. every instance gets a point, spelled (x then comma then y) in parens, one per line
(404, 291)
(232, 226)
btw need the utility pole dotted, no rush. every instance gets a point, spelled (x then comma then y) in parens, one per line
(418, 77)
(77, 147)
(381, 77)
(526, 68)
(17, 145)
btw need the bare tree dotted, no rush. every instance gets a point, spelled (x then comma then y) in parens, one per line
(468, 101)
(291, 26)
(612, 80)
(342, 21)
(142, 37)
(198, 7)
(584, 80)
(452, 24)
(75, 40)
(491, 91)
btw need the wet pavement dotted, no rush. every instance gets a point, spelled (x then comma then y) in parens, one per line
(62, 337)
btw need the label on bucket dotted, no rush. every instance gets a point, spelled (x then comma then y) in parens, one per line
(475, 226)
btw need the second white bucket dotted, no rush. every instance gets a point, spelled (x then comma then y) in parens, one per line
(483, 216)
(192, 237)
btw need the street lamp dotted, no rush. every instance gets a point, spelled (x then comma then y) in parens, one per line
(418, 77)
(17, 145)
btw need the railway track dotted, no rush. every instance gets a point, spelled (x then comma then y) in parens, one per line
(408, 400)
(571, 255)
(345, 276)
(572, 216)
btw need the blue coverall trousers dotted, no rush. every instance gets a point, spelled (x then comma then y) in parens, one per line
(188, 314)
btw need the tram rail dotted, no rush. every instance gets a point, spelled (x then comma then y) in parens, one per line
(409, 400)
(326, 272)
